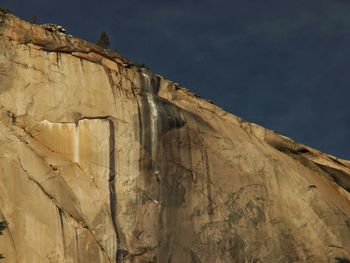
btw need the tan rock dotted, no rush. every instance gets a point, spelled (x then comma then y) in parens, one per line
(101, 162)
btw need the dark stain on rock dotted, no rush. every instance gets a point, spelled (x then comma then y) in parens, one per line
(195, 258)
(169, 116)
(61, 217)
(145, 119)
(236, 247)
(168, 113)
(219, 241)
(287, 246)
(197, 120)
(207, 173)
(255, 212)
(342, 260)
(60, 213)
(234, 216)
(122, 254)
(112, 182)
(252, 210)
(173, 193)
(347, 223)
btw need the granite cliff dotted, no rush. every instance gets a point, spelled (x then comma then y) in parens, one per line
(103, 161)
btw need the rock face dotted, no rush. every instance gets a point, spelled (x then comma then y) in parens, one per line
(101, 161)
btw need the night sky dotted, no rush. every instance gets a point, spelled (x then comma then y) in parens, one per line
(282, 64)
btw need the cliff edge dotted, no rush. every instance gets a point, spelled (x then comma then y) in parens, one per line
(102, 161)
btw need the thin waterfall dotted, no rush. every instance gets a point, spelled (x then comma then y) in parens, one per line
(154, 116)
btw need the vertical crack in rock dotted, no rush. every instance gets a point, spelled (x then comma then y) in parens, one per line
(207, 174)
(111, 84)
(119, 254)
(77, 246)
(111, 185)
(61, 215)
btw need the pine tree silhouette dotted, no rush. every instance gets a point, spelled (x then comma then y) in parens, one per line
(34, 19)
(103, 41)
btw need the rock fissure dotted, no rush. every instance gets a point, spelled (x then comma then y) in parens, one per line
(112, 189)
(60, 208)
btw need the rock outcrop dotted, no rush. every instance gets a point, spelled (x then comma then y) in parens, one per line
(54, 28)
(102, 161)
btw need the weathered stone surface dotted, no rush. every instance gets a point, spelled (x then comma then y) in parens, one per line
(103, 162)
(54, 28)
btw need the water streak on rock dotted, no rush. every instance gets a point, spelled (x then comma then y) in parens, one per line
(154, 117)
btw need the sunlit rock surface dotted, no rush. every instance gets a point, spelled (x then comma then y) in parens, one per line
(101, 161)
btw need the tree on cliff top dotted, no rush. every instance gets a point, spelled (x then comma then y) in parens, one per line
(34, 19)
(103, 41)
(4, 10)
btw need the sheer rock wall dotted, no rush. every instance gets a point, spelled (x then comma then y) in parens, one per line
(101, 161)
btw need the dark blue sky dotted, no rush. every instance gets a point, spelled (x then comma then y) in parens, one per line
(282, 64)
